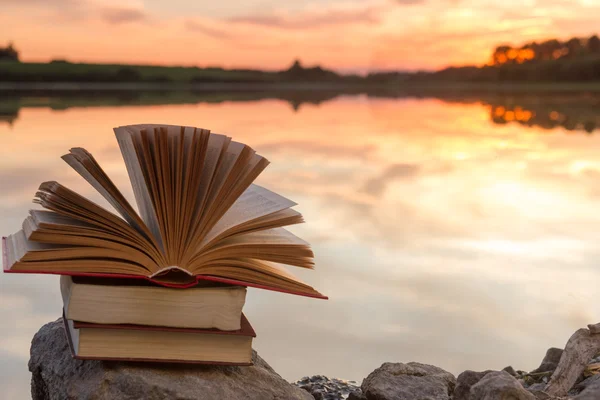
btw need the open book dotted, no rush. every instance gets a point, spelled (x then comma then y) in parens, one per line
(200, 217)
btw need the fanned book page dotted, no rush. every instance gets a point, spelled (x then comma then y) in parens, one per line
(200, 217)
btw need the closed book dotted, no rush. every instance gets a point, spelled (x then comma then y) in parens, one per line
(125, 301)
(127, 342)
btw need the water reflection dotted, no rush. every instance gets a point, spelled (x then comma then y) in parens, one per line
(573, 112)
(440, 236)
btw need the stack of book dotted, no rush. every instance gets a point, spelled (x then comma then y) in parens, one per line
(169, 283)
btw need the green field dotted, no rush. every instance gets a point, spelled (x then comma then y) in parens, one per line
(11, 71)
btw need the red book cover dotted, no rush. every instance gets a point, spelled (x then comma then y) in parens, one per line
(198, 278)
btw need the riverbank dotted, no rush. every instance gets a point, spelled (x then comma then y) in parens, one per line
(403, 88)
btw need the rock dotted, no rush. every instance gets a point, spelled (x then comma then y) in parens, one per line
(397, 381)
(550, 361)
(541, 395)
(499, 385)
(591, 389)
(464, 381)
(510, 370)
(522, 382)
(357, 395)
(594, 329)
(581, 347)
(587, 382)
(323, 388)
(55, 375)
(537, 387)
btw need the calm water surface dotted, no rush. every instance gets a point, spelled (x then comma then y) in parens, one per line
(444, 232)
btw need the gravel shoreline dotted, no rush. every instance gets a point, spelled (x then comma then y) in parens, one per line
(572, 373)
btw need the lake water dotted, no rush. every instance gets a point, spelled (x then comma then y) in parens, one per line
(461, 232)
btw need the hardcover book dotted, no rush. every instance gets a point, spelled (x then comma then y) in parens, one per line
(200, 217)
(139, 302)
(159, 344)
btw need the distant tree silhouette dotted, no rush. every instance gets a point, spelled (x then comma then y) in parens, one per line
(298, 73)
(574, 47)
(593, 44)
(574, 60)
(296, 66)
(9, 53)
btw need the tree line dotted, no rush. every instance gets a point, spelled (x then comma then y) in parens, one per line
(573, 60)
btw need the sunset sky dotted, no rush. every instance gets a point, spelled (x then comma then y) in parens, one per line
(345, 35)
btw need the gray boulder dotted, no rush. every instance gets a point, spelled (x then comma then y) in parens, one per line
(397, 381)
(55, 375)
(591, 389)
(537, 387)
(550, 361)
(356, 395)
(464, 381)
(499, 385)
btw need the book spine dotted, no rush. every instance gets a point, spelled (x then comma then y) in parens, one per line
(4, 255)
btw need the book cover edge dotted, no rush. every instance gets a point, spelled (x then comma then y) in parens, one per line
(68, 334)
(245, 330)
(198, 277)
(4, 255)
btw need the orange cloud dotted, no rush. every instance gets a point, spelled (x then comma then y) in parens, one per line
(372, 34)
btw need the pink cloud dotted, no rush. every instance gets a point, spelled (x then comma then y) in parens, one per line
(114, 15)
(312, 19)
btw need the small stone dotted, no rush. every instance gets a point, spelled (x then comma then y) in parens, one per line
(510, 370)
(324, 388)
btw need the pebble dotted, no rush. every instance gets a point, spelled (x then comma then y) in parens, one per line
(324, 388)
